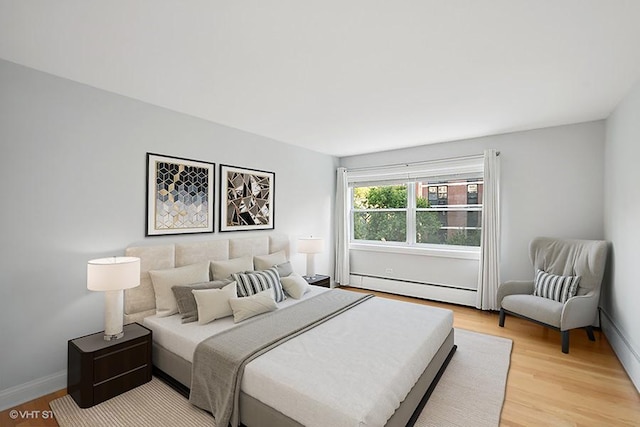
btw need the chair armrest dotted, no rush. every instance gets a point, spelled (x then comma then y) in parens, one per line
(513, 287)
(579, 311)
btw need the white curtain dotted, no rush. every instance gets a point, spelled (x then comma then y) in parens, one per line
(342, 228)
(489, 277)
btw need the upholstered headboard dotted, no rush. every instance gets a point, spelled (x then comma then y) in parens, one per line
(140, 302)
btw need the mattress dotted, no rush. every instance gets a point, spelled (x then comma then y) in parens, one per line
(304, 377)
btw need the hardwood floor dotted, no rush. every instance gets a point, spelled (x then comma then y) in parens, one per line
(32, 414)
(587, 387)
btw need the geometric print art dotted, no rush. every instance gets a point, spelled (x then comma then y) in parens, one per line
(182, 196)
(181, 200)
(248, 203)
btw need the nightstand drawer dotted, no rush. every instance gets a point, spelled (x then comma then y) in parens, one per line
(117, 385)
(120, 361)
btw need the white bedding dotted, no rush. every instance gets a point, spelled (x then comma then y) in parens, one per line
(306, 377)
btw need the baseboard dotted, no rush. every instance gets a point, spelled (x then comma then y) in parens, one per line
(32, 390)
(622, 348)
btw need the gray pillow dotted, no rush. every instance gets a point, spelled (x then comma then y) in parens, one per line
(187, 306)
(285, 269)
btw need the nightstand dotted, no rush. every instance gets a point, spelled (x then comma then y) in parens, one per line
(98, 370)
(319, 280)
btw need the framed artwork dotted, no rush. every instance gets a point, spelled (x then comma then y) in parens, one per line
(179, 195)
(246, 199)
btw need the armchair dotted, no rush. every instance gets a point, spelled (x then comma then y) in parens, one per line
(563, 257)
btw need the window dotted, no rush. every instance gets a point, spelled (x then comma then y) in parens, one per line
(429, 208)
(452, 218)
(380, 213)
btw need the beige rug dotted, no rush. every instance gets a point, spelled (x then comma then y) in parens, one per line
(470, 393)
(471, 390)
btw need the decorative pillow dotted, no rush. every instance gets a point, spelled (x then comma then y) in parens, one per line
(214, 303)
(187, 306)
(557, 288)
(252, 282)
(164, 280)
(294, 285)
(285, 269)
(223, 269)
(244, 308)
(262, 262)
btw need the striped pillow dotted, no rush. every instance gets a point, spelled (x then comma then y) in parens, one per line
(252, 282)
(557, 288)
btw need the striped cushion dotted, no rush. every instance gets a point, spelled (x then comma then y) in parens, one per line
(252, 282)
(552, 286)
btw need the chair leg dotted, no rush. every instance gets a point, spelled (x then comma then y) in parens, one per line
(590, 333)
(565, 341)
(501, 320)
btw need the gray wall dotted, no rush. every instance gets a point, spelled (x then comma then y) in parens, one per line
(551, 184)
(72, 167)
(621, 292)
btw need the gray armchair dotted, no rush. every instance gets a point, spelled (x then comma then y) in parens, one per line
(565, 257)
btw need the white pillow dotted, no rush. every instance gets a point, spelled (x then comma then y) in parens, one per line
(163, 280)
(262, 262)
(246, 307)
(214, 303)
(294, 285)
(221, 270)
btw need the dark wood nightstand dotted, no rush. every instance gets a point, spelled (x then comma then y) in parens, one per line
(319, 280)
(98, 370)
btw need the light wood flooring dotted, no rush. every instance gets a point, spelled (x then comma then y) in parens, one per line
(587, 387)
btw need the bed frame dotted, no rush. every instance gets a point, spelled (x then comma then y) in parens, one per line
(139, 303)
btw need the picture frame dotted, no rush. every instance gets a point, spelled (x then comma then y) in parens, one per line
(180, 195)
(246, 199)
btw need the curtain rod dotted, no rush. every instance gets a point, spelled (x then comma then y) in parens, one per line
(426, 162)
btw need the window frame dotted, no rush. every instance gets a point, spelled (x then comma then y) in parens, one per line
(430, 174)
(353, 211)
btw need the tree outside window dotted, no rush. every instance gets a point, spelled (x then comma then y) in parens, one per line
(380, 213)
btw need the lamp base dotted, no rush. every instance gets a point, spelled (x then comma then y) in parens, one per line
(311, 266)
(113, 337)
(113, 315)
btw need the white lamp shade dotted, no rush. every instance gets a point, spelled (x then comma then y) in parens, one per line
(310, 245)
(112, 274)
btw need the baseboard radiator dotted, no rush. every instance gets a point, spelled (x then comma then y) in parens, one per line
(435, 292)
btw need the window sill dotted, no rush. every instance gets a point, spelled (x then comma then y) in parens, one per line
(444, 252)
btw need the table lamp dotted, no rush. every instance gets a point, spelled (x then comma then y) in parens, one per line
(310, 246)
(113, 275)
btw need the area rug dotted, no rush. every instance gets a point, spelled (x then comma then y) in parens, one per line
(470, 393)
(471, 390)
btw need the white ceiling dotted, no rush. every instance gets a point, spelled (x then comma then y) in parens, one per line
(343, 77)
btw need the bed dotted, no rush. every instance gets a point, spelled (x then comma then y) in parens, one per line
(374, 364)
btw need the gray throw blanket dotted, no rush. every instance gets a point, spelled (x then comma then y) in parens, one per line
(219, 361)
